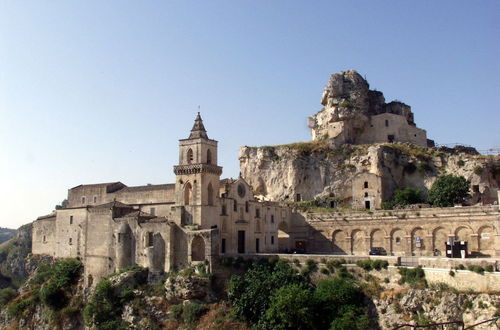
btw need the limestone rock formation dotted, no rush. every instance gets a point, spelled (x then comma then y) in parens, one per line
(352, 113)
(314, 169)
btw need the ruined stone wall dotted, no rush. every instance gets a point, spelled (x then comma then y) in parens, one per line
(381, 127)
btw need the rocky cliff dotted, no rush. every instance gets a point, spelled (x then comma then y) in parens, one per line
(316, 169)
(13, 254)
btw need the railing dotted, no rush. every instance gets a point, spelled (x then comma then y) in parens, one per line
(441, 325)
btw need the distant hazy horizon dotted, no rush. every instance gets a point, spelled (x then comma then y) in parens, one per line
(102, 91)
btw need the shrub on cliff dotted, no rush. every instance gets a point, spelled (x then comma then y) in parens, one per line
(403, 197)
(449, 190)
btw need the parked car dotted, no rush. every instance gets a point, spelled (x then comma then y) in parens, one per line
(377, 251)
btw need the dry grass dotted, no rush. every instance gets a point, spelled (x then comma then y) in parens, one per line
(220, 316)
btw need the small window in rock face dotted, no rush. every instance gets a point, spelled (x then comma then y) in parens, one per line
(70, 219)
(70, 241)
(366, 194)
(83, 200)
(386, 123)
(95, 199)
(44, 239)
(366, 184)
(475, 188)
(272, 240)
(298, 198)
(149, 239)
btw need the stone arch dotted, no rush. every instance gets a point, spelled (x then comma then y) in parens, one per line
(283, 236)
(439, 240)
(398, 242)
(419, 244)
(210, 194)
(198, 249)
(486, 240)
(358, 245)
(188, 194)
(377, 239)
(189, 156)
(462, 233)
(209, 156)
(339, 240)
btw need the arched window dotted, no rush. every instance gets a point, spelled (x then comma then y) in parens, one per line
(190, 156)
(209, 157)
(188, 193)
(210, 192)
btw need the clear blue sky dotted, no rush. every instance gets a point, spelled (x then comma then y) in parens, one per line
(98, 91)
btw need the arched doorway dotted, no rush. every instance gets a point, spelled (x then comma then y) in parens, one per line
(283, 237)
(198, 249)
(486, 236)
(340, 242)
(440, 238)
(398, 242)
(418, 243)
(377, 239)
(358, 242)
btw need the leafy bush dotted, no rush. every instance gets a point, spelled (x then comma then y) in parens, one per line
(250, 294)
(476, 269)
(6, 295)
(478, 170)
(365, 264)
(105, 307)
(415, 277)
(460, 267)
(452, 273)
(16, 308)
(191, 312)
(334, 298)
(460, 163)
(403, 197)
(489, 268)
(53, 296)
(290, 307)
(449, 190)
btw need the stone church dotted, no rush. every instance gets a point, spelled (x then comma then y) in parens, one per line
(110, 226)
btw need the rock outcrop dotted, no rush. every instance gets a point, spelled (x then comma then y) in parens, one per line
(13, 254)
(315, 169)
(352, 113)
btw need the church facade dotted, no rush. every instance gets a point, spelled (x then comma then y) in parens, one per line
(110, 226)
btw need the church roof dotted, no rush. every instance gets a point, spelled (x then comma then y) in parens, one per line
(198, 130)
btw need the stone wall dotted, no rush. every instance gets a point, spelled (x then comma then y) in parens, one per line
(420, 232)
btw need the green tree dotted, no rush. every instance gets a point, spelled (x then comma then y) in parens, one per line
(449, 190)
(63, 205)
(250, 294)
(290, 307)
(403, 197)
(332, 296)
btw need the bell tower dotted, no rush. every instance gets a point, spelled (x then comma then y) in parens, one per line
(197, 178)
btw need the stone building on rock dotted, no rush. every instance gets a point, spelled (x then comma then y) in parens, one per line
(110, 226)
